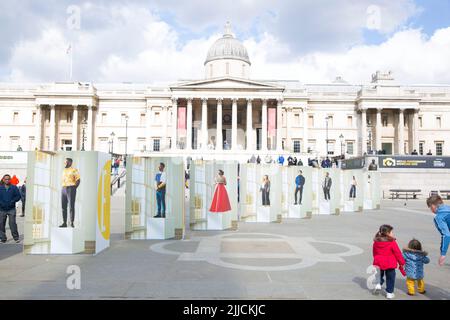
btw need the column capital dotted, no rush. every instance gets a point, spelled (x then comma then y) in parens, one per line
(249, 100)
(75, 106)
(264, 100)
(52, 106)
(379, 109)
(174, 99)
(234, 100)
(401, 110)
(204, 100)
(219, 99)
(280, 100)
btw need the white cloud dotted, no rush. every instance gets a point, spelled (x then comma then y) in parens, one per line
(136, 45)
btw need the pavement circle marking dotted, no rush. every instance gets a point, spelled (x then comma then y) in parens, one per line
(209, 250)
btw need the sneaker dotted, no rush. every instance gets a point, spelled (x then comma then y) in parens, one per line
(390, 295)
(71, 224)
(17, 241)
(64, 225)
(377, 289)
(157, 216)
(423, 292)
(3, 241)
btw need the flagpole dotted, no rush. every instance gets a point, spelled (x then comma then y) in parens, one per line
(71, 61)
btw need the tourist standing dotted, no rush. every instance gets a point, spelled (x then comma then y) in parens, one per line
(9, 196)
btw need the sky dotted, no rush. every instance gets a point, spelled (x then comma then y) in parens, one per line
(160, 41)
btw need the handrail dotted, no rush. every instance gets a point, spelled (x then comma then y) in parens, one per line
(117, 180)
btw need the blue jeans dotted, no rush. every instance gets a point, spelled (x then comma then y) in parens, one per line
(390, 279)
(11, 216)
(161, 202)
(353, 191)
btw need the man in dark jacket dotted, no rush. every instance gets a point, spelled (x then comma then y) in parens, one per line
(299, 183)
(9, 195)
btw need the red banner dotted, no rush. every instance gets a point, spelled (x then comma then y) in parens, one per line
(181, 121)
(272, 122)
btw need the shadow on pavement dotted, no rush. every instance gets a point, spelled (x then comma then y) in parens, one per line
(10, 249)
(433, 292)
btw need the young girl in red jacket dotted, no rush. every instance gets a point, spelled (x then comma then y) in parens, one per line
(387, 256)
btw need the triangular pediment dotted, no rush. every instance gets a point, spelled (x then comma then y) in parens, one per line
(226, 83)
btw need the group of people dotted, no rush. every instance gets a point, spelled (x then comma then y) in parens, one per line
(411, 260)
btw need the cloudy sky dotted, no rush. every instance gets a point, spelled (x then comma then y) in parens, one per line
(151, 41)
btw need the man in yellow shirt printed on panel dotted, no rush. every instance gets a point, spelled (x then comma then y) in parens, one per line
(70, 183)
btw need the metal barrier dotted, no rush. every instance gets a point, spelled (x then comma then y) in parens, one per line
(119, 181)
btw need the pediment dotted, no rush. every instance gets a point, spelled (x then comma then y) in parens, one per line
(227, 83)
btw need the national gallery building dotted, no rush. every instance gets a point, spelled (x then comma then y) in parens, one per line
(228, 115)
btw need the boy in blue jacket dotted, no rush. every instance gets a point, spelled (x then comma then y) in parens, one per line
(415, 259)
(9, 195)
(442, 223)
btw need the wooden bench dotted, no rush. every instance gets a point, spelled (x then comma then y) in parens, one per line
(405, 193)
(445, 194)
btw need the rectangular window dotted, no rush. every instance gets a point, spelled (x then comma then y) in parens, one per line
(297, 146)
(123, 118)
(330, 121)
(420, 122)
(421, 144)
(350, 147)
(350, 121)
(141, 144)
(311, 121)
(296, 119)
(331, 144)
(156, 145)
(33, 119)
(31, 145)
(311, 145)
(438, 122)
(14, 143)
(384, 119)
(15, 117)
(439, 148)
(157, 118)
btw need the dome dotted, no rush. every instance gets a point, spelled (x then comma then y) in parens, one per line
(227, 47)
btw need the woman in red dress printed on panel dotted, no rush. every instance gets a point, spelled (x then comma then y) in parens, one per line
(220, 201)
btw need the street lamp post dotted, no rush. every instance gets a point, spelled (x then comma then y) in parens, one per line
(83, 136)
(341, 137)
(327, 118)
(111, 141)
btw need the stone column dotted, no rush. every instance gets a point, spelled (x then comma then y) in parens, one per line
(264, 125)
(52, 128)
(305, 130)
(204, 124)
(174, 123)
(38, 127)
(401, 131)
(288, 143)
(90, 129)
(234, 125)
(279, 124)
(416, 130)
(189, 124)
(219, 137)
(363, 131)
(75, 128)
(378, 130)
(249, 131)
(148, 125)
(163, 146)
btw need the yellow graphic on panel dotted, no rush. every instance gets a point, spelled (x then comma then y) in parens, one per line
(104, 201)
